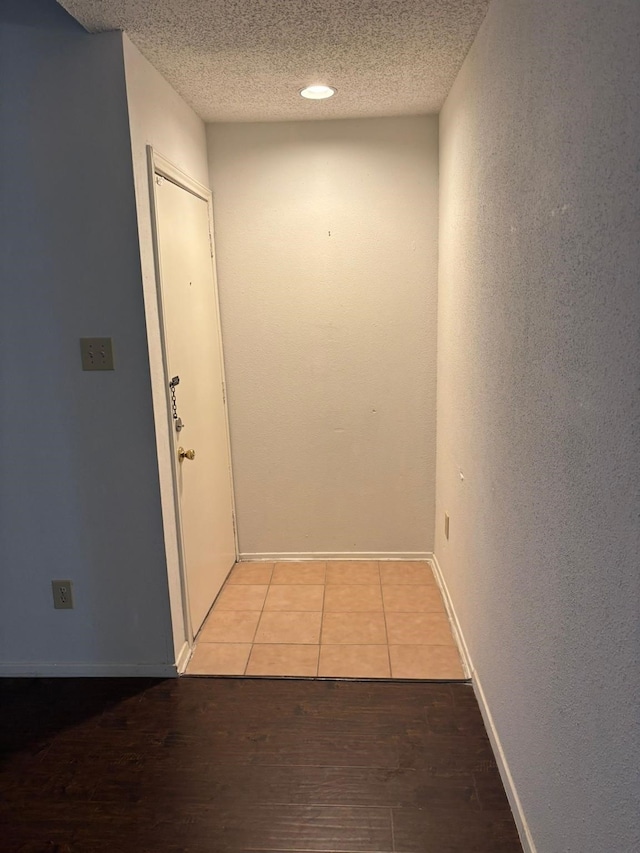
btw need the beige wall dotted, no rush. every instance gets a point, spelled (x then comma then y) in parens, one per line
(539, 310)
(159, 117)
(326, 239)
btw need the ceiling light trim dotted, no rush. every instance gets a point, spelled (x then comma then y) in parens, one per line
(318, 92)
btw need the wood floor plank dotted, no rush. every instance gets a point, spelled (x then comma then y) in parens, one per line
(448, 831)
(230, 765)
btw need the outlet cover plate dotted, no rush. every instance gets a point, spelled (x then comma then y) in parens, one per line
(62, 595)
(96, 353)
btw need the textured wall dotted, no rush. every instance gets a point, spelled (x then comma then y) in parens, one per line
(159, 117)
(539, 305)
(326, 239)
(79, 494)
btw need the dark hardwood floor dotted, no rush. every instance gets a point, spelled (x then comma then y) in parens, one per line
(209, 765)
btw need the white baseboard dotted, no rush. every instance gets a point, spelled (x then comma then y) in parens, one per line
(453, 618)
(87, 670)
(283, 556)
(505, 774)
(522, 826)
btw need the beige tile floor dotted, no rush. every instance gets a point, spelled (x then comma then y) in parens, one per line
(335, 619)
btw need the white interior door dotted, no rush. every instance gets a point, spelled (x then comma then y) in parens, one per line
(194, 353)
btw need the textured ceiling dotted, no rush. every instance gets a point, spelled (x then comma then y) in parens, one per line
(245, 60)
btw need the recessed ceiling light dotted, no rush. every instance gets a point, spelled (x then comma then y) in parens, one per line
(317, 93)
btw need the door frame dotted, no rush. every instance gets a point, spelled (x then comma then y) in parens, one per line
(161, 166)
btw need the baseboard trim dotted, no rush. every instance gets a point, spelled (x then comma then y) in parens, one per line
(522, 826)
(283, 556)
(183, 658)
(87, 670)
(453, 618)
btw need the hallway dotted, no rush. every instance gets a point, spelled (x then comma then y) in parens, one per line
(430, 314)
(227, 765)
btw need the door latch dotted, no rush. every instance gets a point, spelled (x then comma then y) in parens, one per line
(174, 409)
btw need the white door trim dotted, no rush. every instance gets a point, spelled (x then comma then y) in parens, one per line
(159, 165)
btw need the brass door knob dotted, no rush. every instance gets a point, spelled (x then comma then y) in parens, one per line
(186, 454)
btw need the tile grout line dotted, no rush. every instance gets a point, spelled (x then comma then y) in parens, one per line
(253, 641)
(324, 593)
(386, 627)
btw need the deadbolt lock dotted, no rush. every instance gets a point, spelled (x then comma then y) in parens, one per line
(186, 454)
